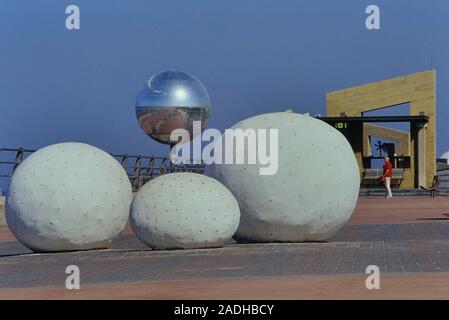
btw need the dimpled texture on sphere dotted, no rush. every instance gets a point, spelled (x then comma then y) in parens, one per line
(68, 196)
(184, 211)
(312, 194)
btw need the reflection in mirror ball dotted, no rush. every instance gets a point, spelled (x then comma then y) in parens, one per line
(171, 100)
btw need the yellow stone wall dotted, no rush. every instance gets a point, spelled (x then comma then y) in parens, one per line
(418, 89)
(402, 138)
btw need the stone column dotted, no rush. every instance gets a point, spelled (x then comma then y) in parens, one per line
(421, 154)
(2, 211)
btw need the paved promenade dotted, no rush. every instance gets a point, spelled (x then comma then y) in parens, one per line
(406, 237)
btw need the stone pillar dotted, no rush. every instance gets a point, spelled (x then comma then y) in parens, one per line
(2, 212)
(422, 161)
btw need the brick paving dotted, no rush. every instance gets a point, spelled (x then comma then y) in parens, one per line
(421, 247)
(393, 286)
(417, 244)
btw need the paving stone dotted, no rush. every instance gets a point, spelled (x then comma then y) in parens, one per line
(395, 248)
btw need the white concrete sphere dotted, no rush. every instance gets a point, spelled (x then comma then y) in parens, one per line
(445, 156)
(312, 194)
(184, 211)
(68, 196)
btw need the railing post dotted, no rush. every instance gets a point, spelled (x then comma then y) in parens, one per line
(18, 160)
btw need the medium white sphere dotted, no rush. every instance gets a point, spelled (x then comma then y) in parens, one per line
(445, 156)
(184, 210)
(68, 196)
(312, 194)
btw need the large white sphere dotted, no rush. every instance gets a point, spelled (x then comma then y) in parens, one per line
(445, 156)
(314, 191)
(68, 196)
(184, 210)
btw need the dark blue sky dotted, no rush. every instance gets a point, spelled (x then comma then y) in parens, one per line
(254, 56)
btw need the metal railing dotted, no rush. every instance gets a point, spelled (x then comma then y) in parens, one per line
(443, 184)
(140, 169)
(10, 159)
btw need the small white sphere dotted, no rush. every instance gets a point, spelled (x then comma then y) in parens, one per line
(68, 196)
(445, 156)
(184, 210)
(312, 194)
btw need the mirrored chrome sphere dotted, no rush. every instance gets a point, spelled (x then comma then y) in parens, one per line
(172, 100)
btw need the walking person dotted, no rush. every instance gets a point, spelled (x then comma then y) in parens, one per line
(388, 171)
